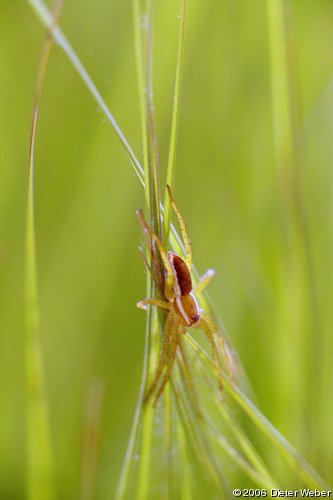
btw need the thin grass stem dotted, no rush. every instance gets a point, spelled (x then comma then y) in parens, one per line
(91, 438)
(194, 431)
(192, 427)
(263, 476)
(175, 118)
(137, 18)
(154, 176)
(186, 490)
(287, 451)
(153, 214)
(45, 17)
(122, 482)
(125, 470)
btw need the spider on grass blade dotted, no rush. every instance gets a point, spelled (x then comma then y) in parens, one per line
(174, 283)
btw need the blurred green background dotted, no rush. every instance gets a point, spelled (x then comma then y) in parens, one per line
(90, 273)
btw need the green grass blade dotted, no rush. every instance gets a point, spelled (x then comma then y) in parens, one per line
(186, 490)
(149, 176)
(40, 467)
(45, 17)
(299, 325)
(154, 177)
(137, 18)
(154, 216)
(261, 473)
(286, 450)
(145, 414)
(167, 439)
(175, 118)
(194, 432)
(124, 474)
(90, 440)
(147, 411)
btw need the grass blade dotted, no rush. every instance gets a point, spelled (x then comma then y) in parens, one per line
(137, 24)
(91, 437)
(143, 51)
(45, 17)
(40, 468)
(286, 450)
(175, 118)
(299, 326)
(152, 181)
(149, 178)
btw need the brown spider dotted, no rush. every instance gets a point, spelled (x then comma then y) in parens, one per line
(174, 283)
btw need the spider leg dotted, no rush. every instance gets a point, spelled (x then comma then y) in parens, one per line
(225, 357)
(204, 281)
(154, 302)
(221, 344)
(169, 324)
(186, 239)
(208, 327)
(168, 292)
(156, 275)
(172, 355)
(186, 369)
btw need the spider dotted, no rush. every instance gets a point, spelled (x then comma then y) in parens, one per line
(174, 283)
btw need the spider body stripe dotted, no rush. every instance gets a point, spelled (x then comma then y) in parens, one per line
(181, 311)
(187, 309)
(175, 286)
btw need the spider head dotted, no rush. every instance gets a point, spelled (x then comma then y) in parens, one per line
(187, 309)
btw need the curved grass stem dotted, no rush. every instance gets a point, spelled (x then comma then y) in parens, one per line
(45, 17)
(194, 436)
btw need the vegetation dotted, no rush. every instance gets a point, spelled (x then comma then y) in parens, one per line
(236, 119)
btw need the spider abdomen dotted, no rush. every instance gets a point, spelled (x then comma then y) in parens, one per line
(182, 274)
